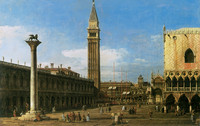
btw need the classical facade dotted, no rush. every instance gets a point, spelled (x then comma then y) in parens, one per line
(61, 91)
(117, 91)
(59, 70)
(182, 68)
(126, 92)
(156, 90)
(94, 48)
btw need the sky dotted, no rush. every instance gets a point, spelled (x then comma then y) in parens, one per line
(131, 33)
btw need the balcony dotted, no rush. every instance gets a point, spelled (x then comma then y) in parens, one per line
(174, 89)
(180, 89)
(168, 89)
(193, 88)
(187, 88)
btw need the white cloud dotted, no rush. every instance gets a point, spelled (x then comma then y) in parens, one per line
(12, 43)
(12, 32)
(156, 38)
(109, 56)
(76, 53)
(77, 58)
(140, 60)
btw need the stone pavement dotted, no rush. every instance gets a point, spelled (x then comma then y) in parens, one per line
(141, 118)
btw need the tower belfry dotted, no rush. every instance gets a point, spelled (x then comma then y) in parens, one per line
(94, 48)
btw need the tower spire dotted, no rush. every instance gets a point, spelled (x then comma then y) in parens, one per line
(93, 14)
(93, 2)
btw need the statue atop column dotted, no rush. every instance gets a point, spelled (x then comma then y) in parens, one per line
(33, 42)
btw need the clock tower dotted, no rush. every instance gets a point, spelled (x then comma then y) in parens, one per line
(94, 48)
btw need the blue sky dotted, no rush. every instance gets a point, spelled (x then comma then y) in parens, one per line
(131, 32)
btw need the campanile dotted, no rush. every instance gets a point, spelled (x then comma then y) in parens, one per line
(94, 48)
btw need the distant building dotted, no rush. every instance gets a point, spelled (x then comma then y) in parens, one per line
(61, 91)
(117, 91)
(156, 90)
(126, 92)
(60, 70)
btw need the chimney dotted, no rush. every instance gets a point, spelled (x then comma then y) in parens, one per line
(11, 60)
(24, 63)
(40, 65)
(46, 67)
(69, 68)
(52, 65)
(61, 66)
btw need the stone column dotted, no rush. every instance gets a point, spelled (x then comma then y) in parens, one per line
(165, 109)
(33, 81)
(190, 108)
(177, 86)
(33, 42)
(70, 103)
(171, 86)
(196, 87)
(178, 107)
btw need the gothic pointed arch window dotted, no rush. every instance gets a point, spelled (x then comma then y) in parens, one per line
(168, 82)
(193, 82)
(189, 56)
(180, 82)
(198, 81)
(187, 82)
(174, 82)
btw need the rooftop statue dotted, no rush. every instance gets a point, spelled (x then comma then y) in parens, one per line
(33, 37)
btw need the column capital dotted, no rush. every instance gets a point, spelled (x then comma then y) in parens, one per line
(33, 44)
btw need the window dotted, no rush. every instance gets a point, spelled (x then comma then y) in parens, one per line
(180, 82)
(92, 34)
(187, 82)
(168, 82)
(189, 56)
(174, 82)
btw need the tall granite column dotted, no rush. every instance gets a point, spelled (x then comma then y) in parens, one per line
(33, 81)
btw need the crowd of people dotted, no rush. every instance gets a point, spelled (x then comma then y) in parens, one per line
(72, 117)
(117, 118)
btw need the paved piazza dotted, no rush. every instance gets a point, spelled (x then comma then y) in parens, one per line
(140, 119)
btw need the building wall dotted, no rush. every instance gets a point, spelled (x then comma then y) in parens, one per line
(119, 88)
(125, 92)
(60, 91)
(181, 78)
(175, 45)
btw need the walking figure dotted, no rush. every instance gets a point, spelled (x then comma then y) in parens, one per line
(109, 108)
(14, 113)
(88, 117)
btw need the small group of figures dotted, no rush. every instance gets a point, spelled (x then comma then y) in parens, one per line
(72, 117)
(108, 109)
(132, 110)
(37, 117)
(117, 118)
(179, 112)
(20, 112)
(150, 113)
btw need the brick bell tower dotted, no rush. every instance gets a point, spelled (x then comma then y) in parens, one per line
(94, 48)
